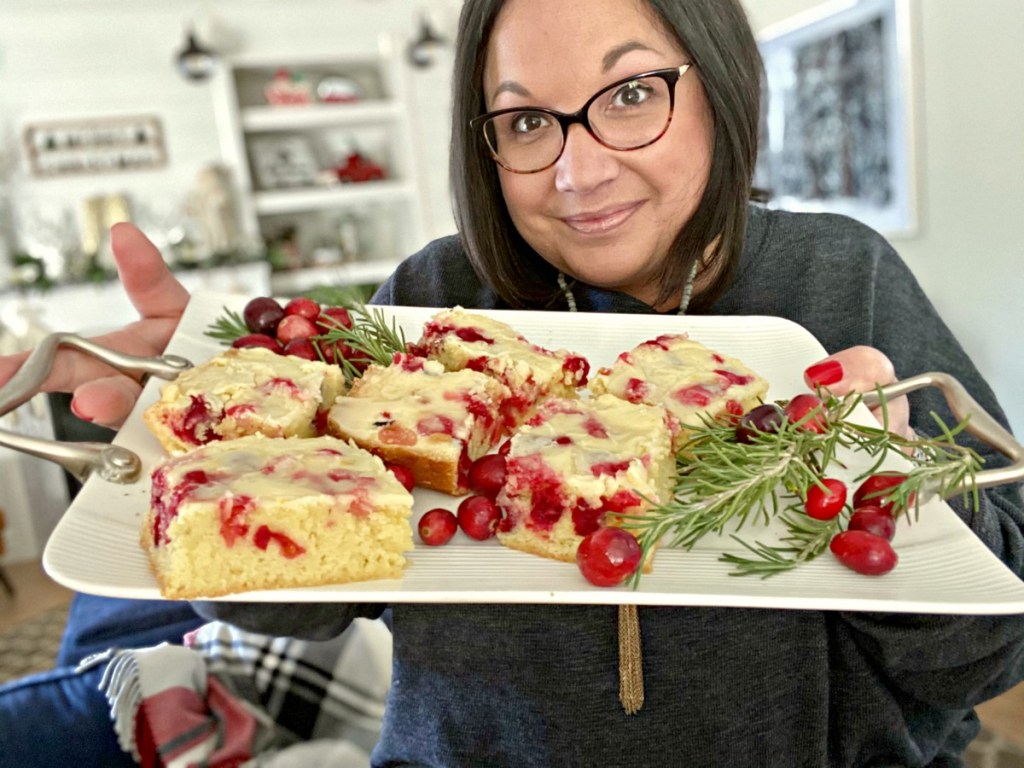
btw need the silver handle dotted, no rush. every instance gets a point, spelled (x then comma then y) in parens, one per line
(111, 462)
(979, 423)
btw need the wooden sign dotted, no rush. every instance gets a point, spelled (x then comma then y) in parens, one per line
(100, 145)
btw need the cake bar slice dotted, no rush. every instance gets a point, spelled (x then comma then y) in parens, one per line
(461, 339)
(579, 463)
(692, 382)
(243, 392)
(266, 513)
(415, 414)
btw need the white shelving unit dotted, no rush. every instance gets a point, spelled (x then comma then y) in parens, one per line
(350, 232)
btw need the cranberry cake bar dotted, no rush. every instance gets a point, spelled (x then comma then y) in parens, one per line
(266, 513)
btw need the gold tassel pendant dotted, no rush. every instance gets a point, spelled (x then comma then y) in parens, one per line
(631, 662)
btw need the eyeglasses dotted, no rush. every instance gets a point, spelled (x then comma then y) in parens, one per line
(628, 114)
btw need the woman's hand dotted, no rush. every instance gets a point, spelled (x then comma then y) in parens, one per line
(101, 394)
(862, 369)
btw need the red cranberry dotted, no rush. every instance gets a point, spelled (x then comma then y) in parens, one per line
(807, 410)
(262, 314)
(876, 490)
(758, 420)
(478, 517)
(295, 327)
(825, 503)
(487, 475)
(403, 474)
(608, 556)
(301, 347)
(437, 527)
(873, 520)
(257, 340)
(864, 552)
(334, 317)
(303, 307)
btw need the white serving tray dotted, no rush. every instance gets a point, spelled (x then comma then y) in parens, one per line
(943, 568)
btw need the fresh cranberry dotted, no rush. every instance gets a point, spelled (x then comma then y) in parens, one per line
(864, 552)
(295, 327)
(257, 340)
(808, 411)
(873, 520)
(303, 307)
(478, 517)
(437, 526)
(608, 556)
(334, 317)
(761, 419)
(487, 475)
(262, 314)
(403, 474)
(825, 503)
(877, 490)
(302, 347)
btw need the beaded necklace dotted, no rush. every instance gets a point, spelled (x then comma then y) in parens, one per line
(570, 299)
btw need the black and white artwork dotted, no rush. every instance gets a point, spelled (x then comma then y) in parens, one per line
(837, 119)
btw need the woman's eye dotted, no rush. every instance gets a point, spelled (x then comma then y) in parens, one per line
(631, 94)
(527, 122)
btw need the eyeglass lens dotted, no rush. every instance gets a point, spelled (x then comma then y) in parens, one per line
(624, 116)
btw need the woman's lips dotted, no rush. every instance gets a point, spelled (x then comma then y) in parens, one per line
(600, 222)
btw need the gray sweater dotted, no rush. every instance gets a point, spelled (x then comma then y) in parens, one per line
(528, 685)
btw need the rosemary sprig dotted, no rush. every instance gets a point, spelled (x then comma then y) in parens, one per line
(724, 484)
(227, 328)
(371, 339)
(806, 539)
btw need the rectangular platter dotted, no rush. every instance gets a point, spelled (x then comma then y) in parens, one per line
(943, 567)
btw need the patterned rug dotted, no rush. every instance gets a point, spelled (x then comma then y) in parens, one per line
(31, 647)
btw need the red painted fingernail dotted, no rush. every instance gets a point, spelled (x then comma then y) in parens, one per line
(79, 414)
(824, 373)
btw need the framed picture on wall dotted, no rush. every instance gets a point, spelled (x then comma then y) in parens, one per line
(282, 161)
(837, 131)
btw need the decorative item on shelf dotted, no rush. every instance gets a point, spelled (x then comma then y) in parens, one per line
(288, 87)
(425, 47)
(283, 161)
(215, 206)
(334, 89)
(196, 62)
(283, 251)
(357, 168)
(99, 214)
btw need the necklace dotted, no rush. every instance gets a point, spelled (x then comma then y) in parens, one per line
(684, 303)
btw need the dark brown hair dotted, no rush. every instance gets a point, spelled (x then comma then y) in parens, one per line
(719, 42)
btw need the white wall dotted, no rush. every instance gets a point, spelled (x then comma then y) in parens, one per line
(969, 247)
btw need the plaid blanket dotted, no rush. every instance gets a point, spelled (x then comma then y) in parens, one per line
(234, 698)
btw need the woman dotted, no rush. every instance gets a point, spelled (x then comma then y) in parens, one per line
(650, 217)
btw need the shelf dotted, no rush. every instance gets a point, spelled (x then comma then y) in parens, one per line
(356, 273)
(303, 116)
(326, 198)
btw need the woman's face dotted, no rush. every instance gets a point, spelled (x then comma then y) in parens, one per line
(604, 216)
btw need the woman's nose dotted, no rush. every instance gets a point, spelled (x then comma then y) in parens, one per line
(585, 163)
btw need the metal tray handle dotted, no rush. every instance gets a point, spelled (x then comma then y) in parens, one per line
(82, 459)
(979, 423)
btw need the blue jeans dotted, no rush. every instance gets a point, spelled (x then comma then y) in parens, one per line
(60, 717)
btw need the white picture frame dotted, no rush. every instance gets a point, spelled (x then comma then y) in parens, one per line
(838, 122)
(282, 161)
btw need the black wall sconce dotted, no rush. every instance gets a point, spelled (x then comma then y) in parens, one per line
(424, 48)
(195, 61)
